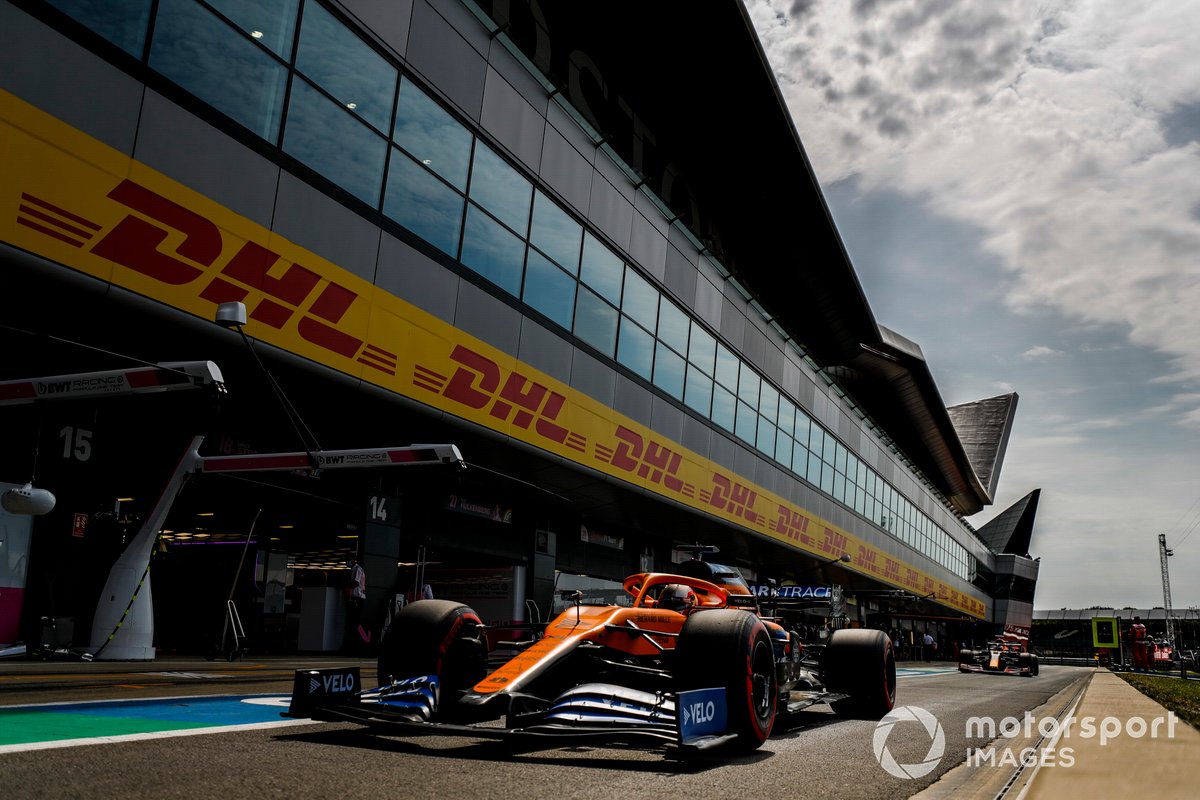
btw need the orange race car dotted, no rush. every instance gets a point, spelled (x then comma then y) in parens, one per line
(691, 663)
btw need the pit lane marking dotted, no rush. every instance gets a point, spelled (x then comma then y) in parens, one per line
(54, 725)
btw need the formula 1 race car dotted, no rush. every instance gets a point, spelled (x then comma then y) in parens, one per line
(1007, 656)
(689, 665)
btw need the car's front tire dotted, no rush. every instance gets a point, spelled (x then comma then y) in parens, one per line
(434, 637)
(731, 648)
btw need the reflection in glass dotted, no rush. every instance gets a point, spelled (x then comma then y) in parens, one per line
(335, 59)
(702, 349)
(783, 448)
(271, 22)
(601, 269)
(635, 348)
(492, 251)
(765, 439)
(500, 189)
(432, 136)
(555, 233)
(724, 407)
(220, 66)
(768, 401)
(698, 391)
(748, 382)
(746, 423)
(640, 300)
(800, 460)
(673, 325)
(727, 367)
(787, 415)
(595, 322)
(668, 371)
(122, 22)
(549, 289)
(423, 204)
(331, 141)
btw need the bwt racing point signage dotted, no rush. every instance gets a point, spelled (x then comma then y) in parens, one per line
(78, 202)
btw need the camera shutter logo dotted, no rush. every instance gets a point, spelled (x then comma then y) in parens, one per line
(937, 744)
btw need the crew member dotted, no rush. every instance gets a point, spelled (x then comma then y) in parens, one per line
(1137, 644)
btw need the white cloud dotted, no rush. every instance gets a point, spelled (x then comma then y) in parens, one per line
(1040, 351)
(1042, 124)
(1057, 146)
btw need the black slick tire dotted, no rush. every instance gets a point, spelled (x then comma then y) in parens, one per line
(731, 648)
(860, 663)
(434, 637)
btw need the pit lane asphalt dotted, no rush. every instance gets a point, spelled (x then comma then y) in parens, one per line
(817, 754)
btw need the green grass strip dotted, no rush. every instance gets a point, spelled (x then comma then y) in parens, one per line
(1175, 694)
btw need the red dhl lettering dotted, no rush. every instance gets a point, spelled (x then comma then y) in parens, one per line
(734, 498)
(134, 243)
(477, 383)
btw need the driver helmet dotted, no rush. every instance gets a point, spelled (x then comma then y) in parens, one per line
(677, 597)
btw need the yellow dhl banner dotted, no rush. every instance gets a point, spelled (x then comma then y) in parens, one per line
(76, 201)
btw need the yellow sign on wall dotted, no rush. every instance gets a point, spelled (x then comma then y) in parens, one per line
(76, 201)
(1106, 632)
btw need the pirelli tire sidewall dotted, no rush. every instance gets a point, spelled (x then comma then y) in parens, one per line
(434, 637)
(732, 648)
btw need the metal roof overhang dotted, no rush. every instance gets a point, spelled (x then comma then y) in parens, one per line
(698, 79)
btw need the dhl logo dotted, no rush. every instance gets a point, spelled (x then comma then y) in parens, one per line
(142, 241)
(479, 382)
(649, 460)
(733, 498)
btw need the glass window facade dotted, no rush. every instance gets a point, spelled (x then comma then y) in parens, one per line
(353, 118)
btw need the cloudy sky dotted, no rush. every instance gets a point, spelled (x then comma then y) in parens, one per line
(1018, 186)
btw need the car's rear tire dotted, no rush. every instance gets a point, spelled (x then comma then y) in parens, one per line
(731, 648)
(434, 637)
(861, 663)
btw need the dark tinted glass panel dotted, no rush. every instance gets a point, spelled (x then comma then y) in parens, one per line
(698, 391)
(335, 59)
(219, 65)
(595, 322)
(492, 251)
(601, 269)
(673, 326)
(334, 143)
(432, 136)
(122, 22)
(500, 189)
(549, 289)
(271, 22)
(555, 233)
(668, 371)
(640, 300)
(635, 348)
(423, 204)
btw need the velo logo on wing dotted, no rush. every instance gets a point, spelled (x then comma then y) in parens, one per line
(937, 742)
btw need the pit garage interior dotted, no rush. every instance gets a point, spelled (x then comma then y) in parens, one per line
(516, 515)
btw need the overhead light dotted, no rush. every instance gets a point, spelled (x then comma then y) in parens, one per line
(427, 161)
(124, 499)
(286, 527)
(351, 106)
(256, 34)
(348, 536)
(205, 513)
